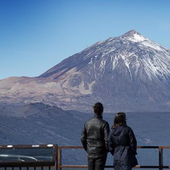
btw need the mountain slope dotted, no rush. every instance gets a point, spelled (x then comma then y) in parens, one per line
(129, 68)
(35, 124)
(129, 72)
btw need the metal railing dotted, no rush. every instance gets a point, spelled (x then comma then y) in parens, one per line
(160, 165)
(28, 157)
(33, 157)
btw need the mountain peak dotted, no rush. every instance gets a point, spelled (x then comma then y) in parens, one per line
(133, 36)
(130, 33)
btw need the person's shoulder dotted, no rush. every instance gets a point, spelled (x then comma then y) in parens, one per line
(105, 122)
(128, 128)
(88, 120)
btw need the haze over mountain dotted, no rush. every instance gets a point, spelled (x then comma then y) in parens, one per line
(127, 73)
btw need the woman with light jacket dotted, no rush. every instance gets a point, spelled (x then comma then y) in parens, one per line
(122, 144)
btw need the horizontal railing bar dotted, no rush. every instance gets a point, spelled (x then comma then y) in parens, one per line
(153, 147)
(148, 147)
(70, 147)
(111, 166)
(26, 164)
(73, 166)
(139, 147)
(27, 146)
(164, 147)
(143, 166)
(138, 166)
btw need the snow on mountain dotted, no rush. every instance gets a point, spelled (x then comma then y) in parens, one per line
(136, 37)
(132, 35)
(128, 72)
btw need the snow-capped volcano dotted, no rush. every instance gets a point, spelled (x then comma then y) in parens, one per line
(129, 72)
(133, 49)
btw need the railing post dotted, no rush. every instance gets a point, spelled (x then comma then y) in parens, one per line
(160, 158)
(59, 158)
(56, 157)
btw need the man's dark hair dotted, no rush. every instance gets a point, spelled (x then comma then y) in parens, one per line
(98, 108)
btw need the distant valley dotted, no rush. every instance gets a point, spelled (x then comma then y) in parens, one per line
(43, 124)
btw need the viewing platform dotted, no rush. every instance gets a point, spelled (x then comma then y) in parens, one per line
(49, 157)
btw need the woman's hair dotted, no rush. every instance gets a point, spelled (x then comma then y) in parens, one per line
(98, 108)
(120, 119)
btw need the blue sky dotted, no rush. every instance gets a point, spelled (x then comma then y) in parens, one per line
(35, 35)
